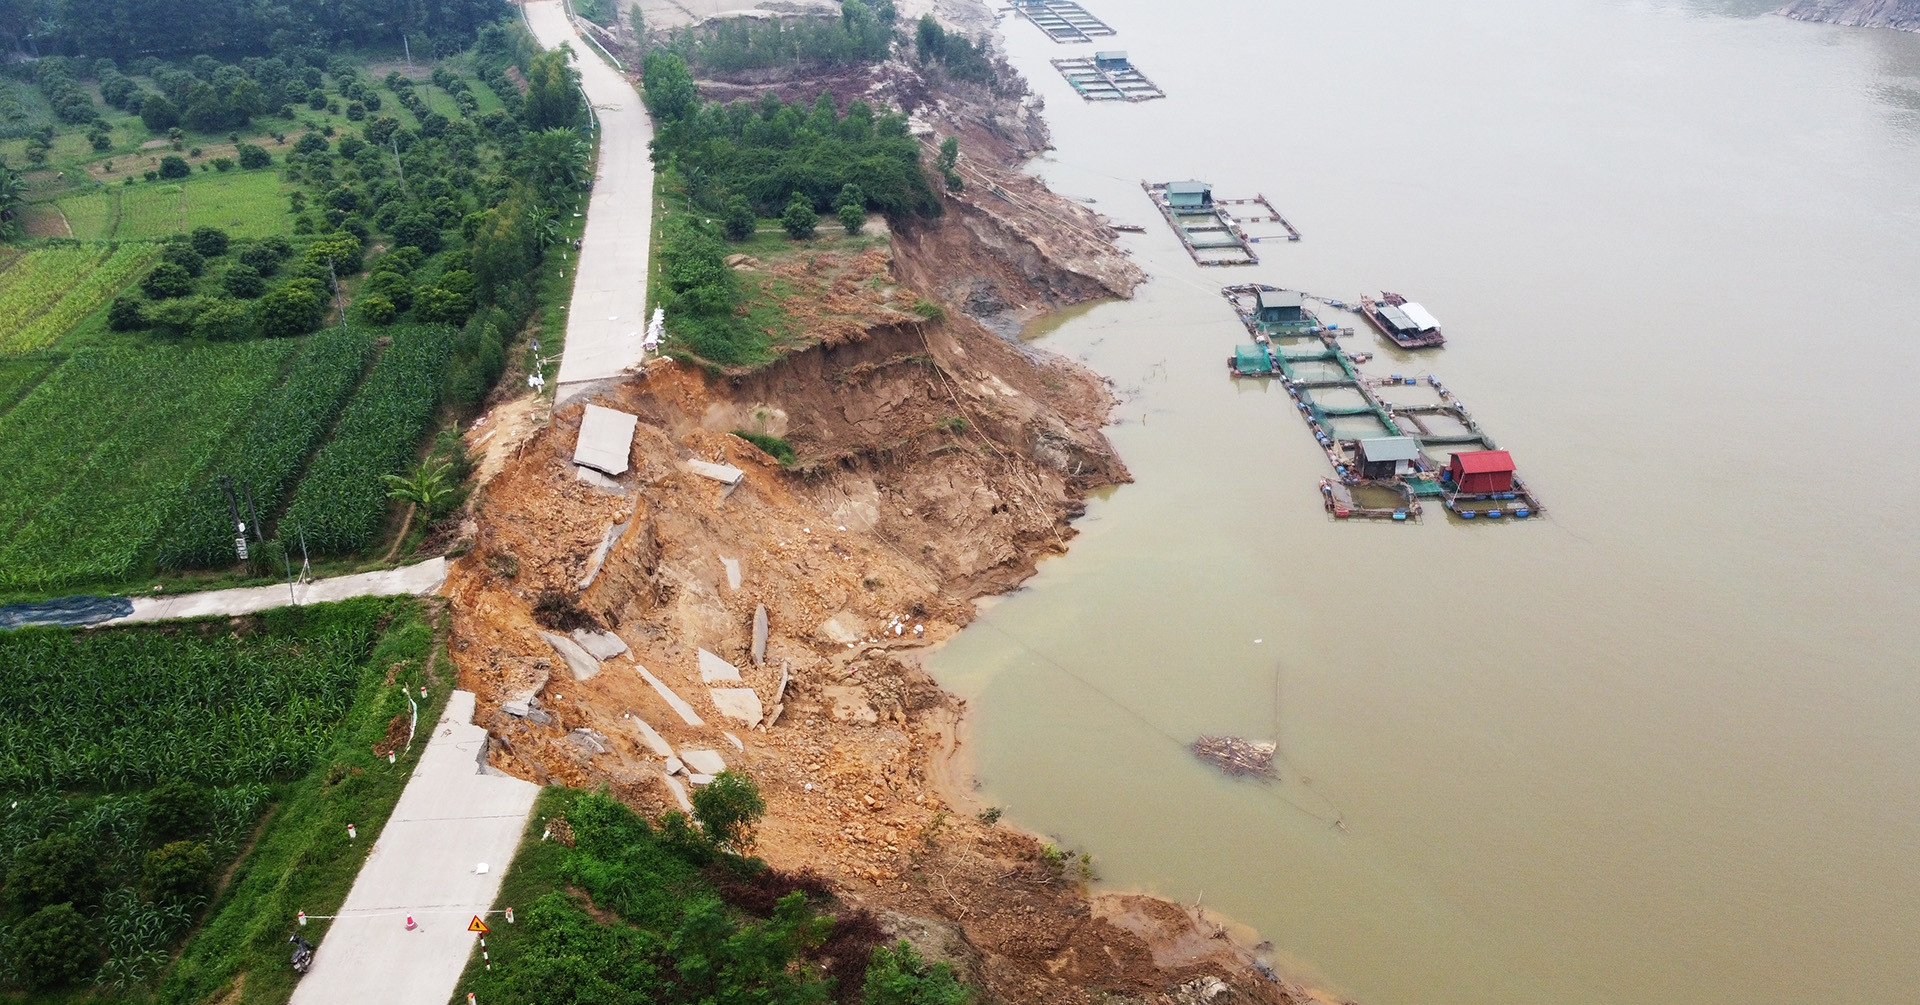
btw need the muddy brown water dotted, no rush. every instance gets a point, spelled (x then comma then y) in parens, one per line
(1662, 746)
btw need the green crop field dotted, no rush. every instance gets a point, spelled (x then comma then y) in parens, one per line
(93, 216)
(57, 287)
(243, 203)
(89, 459)
(267, 459)
(486, 101)
(20, 374)
(342, 502)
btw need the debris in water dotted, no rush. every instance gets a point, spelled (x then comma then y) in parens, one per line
(1237, 756)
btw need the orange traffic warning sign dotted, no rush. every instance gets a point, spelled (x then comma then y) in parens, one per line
(478, 926)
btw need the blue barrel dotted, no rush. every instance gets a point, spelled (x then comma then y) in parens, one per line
(1522, 512)
(1495, 514)
(1411, 382)
(1467, 514)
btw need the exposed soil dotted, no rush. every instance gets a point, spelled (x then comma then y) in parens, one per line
(935, 463)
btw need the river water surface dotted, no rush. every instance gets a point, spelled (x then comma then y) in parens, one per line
(1660, 747)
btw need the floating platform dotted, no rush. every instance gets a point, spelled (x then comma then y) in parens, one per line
(1208, 229)
(1343, 407)
(1108, 77)
(1064, 21)
(1407, 325)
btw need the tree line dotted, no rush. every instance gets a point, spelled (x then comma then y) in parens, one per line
(173, 28)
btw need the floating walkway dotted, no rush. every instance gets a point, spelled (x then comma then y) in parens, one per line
(1209, 230)
(1108, 76)
(1064, 21)
(1345, 409)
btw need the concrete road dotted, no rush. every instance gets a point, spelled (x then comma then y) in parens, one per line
(608, 316)
(451, 818)
(415, 580)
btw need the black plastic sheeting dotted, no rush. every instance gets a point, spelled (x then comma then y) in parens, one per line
(65, 612)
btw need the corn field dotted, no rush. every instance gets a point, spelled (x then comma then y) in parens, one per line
(88, 458)
(123, 709)
(269, 456)
(342, 503)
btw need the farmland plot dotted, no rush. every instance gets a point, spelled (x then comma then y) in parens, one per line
(342, 502)
(20, 374)
(93, 216)
(110, 444)
(110, 709)
(266, 459)
(67, 285)
(243, 203)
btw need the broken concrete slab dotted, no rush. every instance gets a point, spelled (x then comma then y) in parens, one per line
(599, 645)
(733, 572)
(655, 742)
(599, 556)
(599, 481)
(591, 740)
(675, 765)
(606, 440)
(737, 703)
(697, 779)
(706, 762)
(679, 793)
(737, 745)
(760, 635)
(678, 703)
(577, 659)
(725, 474)
(713, 668)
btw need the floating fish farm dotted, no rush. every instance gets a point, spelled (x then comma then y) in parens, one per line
(1108, 76)
(1207, 228)
(1063, 20)
(1393, 441)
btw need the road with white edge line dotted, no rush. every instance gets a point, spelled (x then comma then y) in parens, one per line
(438, 862)
(607, 319)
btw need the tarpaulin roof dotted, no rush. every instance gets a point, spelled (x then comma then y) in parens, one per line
(1390, 448)
(1479, 462)
(1281, 298)
(1421, 319)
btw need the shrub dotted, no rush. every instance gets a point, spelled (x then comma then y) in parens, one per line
(253, 157)
(177, 809)
(739, 222)
(210, 241)
(167, 280)
(374, 308)
(125, 315)
(417, 230)
(60, 869)
(174, 166)
(799, 219)
(728, 808)
(182, 254)
(223, 320)
(54, 947)
(222, 163)
(342, 251)
(158, 113)
(897, 976)
(310, 143)
(852, 217)
(261, 259)
(402, 260)
(179, 872)
(296, 308)
(243, 281)
(356, 111)
(390, 285)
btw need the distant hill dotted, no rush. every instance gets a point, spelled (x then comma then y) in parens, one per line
(1901, 14)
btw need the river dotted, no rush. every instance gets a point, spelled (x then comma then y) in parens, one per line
(1662, 746)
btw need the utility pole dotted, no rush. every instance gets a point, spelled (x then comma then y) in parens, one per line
(407, 46)
(233, 512)
(397, 166)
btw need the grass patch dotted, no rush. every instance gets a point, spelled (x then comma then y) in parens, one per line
(777, 448)
(243, 203)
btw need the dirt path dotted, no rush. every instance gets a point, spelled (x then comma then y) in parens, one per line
(608, 313)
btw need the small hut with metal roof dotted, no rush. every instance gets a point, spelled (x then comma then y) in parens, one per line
(1388, 456)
